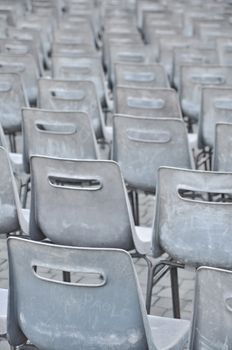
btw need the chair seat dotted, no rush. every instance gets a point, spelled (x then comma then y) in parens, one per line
(3, 311)
(143, 240)
(169, 333)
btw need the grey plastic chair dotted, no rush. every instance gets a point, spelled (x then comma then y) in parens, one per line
(142, 145)
(193, 230)
(222, 147)
(216, 107)
(67, 95)
(13, 217)
(140, 76)
(83, 69)
(76, 320)
(211, 326)
(193, 78)
(128, 53)
(155, 103)
(199, 55)
(12, 99)
(24, 65)
(90, 203)
(57, 134)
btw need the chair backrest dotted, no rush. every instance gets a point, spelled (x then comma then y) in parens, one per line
(193, 78)
(8, 209)
(222, 155)
(154, 103)
(199, 55)
(91, 206)
(224, 47)
(212, 316)
(96, 311)
(12, 99)
(142, 145)
(140, 75)
(73, 50)
(57, 134)
(216, 107)
(80, 68)
(67, 95)
(136, 53)
(25, 65)
(187, 225)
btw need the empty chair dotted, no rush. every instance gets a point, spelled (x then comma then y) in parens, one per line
(155, 103)
(212, 310)
(191, 224)
(222, 160)
(142, 145)
(12, 99)
(193, 78)
(73, 308)
(128, 53)
(24, 65)
(81, 68)
(140, 76)
(216, 107)
(57, 134)
(70, 95)
(199, 55)
(13, 217)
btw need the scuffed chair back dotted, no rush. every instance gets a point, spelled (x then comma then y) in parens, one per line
(222, 153)
(212, 316)
(216, 107)
(152, 103)
(142, 145)
(72, 96)
(191, 223)
(96, 311)
(86, 202)
(57, 134)
(140, 75)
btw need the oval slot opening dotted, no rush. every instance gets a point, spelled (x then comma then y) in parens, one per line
(145, 103)
(55, 128)
(192, 194)
(75, 70)
(5, 87)
(208, 79)
(14, 68)
(131, 57)
(148, 136)
(79, 278)
(84, 184)
(68, 94)
(223, 104)
(17, 49)
(139, 76)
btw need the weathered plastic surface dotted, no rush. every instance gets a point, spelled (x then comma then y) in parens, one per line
(193, 231)
(192, 55)
(80, 68)
(26, 67)
(8, 210)
(57, 134)
(73, 50)
(3, 311)
(65, 188)
(129, 53)
(142, 145)
(140, 75)
(70, 95)
(212, 317)
(222, 155)
(12, 99)
(224, 47)
(155, 103)
(193, 78)
(74, 37)
(96, 311)
(216, 107)
(77, 321)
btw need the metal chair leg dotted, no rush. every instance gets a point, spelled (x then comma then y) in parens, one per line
(66, 276)
(175, 291)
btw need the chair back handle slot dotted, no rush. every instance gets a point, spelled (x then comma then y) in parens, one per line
(145, 103)
(148, 136)
(81, 184)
